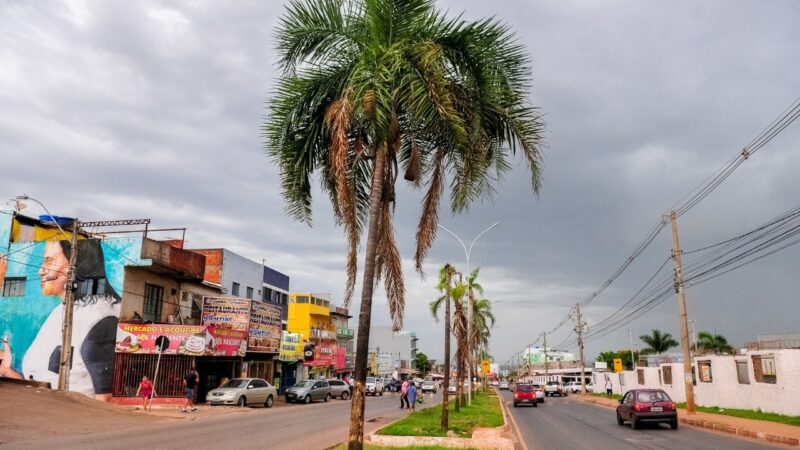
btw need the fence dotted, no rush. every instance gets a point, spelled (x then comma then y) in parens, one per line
(130, 368)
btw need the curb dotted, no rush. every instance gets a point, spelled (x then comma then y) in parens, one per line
(510, 419)
(737, 431)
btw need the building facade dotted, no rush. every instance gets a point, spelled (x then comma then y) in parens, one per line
(392, 351)
(309, 316)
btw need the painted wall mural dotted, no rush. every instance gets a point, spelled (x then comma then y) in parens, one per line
(33, 277)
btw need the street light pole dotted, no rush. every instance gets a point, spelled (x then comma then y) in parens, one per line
(467, 252)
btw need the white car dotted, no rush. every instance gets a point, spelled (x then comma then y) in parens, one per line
(574, 387)
(503, 385)
(451, 389)
(374, 386)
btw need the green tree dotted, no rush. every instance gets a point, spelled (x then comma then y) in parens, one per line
(658, 342)
(372, 87)
(624, 355)
(713, 342)
(423, 364)
(444, 286)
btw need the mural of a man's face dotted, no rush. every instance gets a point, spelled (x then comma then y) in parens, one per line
(53, 272)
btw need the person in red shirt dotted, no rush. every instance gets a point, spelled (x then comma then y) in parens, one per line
(147, 392)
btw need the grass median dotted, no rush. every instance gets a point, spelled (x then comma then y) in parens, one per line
(485, 412)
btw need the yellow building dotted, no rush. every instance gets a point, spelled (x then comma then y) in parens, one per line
(309, 315)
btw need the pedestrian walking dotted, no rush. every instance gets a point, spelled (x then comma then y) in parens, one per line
(147, 392)
(404, 395)
(609, 387)
(190, 385)
(411, 396)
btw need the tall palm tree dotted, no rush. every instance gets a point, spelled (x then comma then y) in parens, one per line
(459, 296)
(373, 87)
(658, 342)
(483, 321)
(445, 279)
(713, 342)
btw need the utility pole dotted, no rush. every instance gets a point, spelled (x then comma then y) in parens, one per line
(579, 330)
(546, 372)
(633, 360)
(679, 288)
(65, 364)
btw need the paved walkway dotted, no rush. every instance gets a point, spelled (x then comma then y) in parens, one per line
(774, 432)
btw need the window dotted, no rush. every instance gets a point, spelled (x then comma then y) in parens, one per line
(705, 371)
(640, 376)
(91, 286)
(652, 396)
(764, 369)
(153, 301)
(14, 287)
(235, 289)
(249, 292)
(667, 371)
(741, 372)
(302, 299)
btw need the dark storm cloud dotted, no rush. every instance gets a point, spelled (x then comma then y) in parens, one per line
(147, 109)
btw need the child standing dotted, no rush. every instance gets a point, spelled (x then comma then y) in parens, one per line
(146, 390)
(412, 396)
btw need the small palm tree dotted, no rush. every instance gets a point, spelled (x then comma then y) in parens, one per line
(658, 342)
(713, 342)
(444, 286)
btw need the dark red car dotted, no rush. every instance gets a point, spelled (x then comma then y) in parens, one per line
(640, 406)
(525, 393)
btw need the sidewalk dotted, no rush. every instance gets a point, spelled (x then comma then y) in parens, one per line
(777, 433)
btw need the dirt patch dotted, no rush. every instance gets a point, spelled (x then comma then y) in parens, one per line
(33, 413)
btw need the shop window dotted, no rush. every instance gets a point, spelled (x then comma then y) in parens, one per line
(153, 302)
(235, 289)
(640, 376)
(266, 294)
(14, 287)
(249, 292)
(764, 369)
(741, 372)
(705, 371)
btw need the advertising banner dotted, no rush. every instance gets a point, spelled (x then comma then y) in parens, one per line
(265, 328)
(226, 312)
(291, 349)
(195, 340)
(323, 355)
(340, 358)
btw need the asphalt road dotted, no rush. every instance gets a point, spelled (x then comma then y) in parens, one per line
(307, 427)
(563, 423)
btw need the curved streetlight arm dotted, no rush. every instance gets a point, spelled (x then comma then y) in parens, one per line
(478, 236)
(25, 197)
(466, 252)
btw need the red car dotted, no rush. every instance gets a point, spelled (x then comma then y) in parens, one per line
(524, 393)
(640, 406)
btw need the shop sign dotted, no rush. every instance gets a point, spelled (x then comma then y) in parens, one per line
(226, 312)
(265, 328)
(195, 340)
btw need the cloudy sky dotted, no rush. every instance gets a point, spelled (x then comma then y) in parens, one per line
(117, 109)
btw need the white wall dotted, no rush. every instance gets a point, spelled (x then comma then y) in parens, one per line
(724, 390)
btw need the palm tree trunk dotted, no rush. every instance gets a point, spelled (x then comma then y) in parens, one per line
(445, 400)
(356, 438)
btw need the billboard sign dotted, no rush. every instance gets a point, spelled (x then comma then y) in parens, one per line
(226, 312)
(265, 328)
(194, 340)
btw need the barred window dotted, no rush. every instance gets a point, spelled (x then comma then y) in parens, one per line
(705, 371)
(667, 371)
(14, 287)
(764, 369)
(235, 289)
(249, 292)
(153, 302)
(741, 372)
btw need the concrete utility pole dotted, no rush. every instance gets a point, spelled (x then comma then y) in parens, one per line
(546, 372)
(448, 273)
(69, 300)
(633, 360)
(687, 359)
(579, 330)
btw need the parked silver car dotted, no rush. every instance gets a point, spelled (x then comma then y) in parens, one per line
(339, 389)
(309, 390)
(243, 392)
(428, 386)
